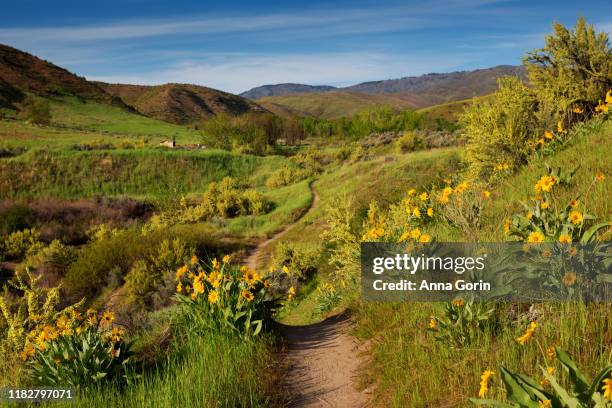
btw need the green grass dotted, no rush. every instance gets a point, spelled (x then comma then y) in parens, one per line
(212, 371)
(290, 203)
(74, 113)
(140, 172)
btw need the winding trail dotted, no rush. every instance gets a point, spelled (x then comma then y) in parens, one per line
(256, 254)
(319, 361)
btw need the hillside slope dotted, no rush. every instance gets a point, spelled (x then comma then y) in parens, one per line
(332, 105)
(181, 103)
(21, 72)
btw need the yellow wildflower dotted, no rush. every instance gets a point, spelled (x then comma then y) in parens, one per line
(607, 389)
(461, 187)
(545, 404)
(411, 192)
(423, 196)
(578, 110)
(565, 239)
(247, 295)
(107, 318)
(576, 217)
(484, 383)
(569, 279)
(486, 194)
(198, 287)
(213, 297)
(424, 238)
(548, 135)
(285, 269)
(551, 352)
(600, 176)
(530, 215)
(415, 233)
(535, 237)
(507, 224)
(226, 259)
(251, 277)
(116, 335)
(432, 323)
(560, 127)
(416, 212)
(545, 183)
(528, 334)
(544, 205)
(179, 287)
(27, 352)
(215, 264)
(291, 293)
(574, 203)
(609, 97)
(404, 236)
(458, 302)
(180, 272)
(430, 212)
(193, 260)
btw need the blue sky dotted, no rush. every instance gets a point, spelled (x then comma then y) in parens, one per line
(236, 45)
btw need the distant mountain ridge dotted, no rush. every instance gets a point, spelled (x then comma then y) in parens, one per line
(284, 89)
(413, 92)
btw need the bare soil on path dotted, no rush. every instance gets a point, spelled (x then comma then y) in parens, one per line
(319, 361)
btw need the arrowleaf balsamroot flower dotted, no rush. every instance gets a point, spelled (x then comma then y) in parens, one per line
(535, 237)
(576, 217)
(485, 378)
(607, 389)
(528, 334)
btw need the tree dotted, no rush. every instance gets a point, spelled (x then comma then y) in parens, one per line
(36, 110)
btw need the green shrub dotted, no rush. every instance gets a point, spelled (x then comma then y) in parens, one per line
(571, 73)
(300, 260)
(230, 199)
(17, 244)
(36, 110)
(410, 142)
(284, 176)
(499, 131)
(462, 322)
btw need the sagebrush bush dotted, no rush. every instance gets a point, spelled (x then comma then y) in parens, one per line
(499, 131)
(285, 176)
(300, 260)
(570, 73)
(17, 244)
(410, 142)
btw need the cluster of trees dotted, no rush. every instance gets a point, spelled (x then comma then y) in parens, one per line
(364, 123)
(253, 133)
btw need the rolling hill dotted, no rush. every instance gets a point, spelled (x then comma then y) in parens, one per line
(181, 103)
(284, 89)
(21, 73)
(330, 105)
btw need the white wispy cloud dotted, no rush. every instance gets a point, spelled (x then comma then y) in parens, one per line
(241, 72)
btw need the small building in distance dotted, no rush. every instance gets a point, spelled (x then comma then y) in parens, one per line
(169, 143)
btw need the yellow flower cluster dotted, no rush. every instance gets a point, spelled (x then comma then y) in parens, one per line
(604, 107)
(194, 281)
(69, 324)
(528, 334)
(545, 184)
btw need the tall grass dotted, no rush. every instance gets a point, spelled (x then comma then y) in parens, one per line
(212, 371)
(142, 172)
